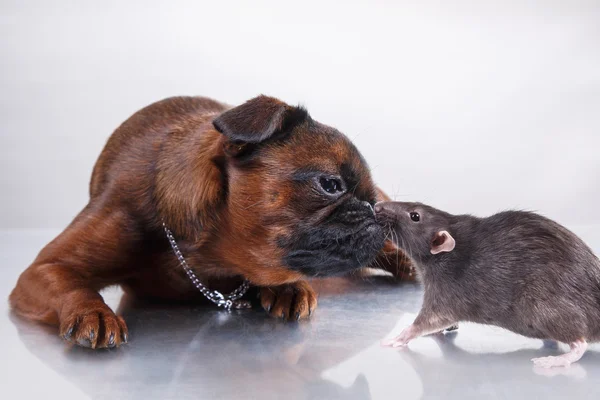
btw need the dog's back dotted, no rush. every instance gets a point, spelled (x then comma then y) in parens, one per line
(129, 144)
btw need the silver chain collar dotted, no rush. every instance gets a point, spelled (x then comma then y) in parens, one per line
(228, 301)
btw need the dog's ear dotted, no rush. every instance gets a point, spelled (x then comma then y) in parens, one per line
(257, 120)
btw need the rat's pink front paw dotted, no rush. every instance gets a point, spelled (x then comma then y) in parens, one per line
(398, 341)
(401, 340)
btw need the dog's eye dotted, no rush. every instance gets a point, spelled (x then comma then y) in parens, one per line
(331, 185)
(415, 216)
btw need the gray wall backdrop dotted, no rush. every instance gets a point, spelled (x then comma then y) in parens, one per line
(471, 106)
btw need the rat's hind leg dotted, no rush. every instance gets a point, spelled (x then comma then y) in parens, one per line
(577, 349)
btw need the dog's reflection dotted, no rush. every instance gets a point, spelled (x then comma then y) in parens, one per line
(179, 352)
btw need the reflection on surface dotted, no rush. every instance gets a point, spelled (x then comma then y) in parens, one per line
(180, 352)
(501, 371)
(386, 373)
(191, 352)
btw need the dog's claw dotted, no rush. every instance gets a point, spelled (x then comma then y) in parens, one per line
(288, 302)
(84, 342)
(94, 329)
(69, 332)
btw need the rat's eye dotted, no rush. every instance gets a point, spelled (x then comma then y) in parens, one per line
(331, 185)
(415, 216)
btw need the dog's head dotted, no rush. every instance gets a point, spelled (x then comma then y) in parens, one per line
(298, 191)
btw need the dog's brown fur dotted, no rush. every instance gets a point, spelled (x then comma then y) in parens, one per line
(180, 161)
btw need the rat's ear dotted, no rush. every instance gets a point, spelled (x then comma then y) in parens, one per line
(442, 242)
(257, 120)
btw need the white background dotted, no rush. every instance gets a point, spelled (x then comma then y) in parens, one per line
(471, 106)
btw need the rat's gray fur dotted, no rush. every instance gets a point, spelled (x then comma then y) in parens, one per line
(517, 270)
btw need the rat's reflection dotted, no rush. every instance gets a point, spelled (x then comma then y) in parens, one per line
(465, 374)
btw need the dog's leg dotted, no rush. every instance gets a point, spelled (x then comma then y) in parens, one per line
(61, 286)
(394, 260)
(291, 301)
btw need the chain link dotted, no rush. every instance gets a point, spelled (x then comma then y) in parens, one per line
(228, 301)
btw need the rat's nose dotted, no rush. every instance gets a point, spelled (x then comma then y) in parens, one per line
(379, 207)
(385, 210)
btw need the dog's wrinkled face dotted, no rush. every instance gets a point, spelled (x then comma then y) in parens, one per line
(299, 188)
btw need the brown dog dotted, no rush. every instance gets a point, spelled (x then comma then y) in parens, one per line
(259, 192)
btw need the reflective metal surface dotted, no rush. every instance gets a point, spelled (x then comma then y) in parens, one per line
(203, 352)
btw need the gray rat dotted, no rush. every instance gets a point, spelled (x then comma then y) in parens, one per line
(517, 270)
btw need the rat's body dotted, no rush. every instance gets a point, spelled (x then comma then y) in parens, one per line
(517, 270)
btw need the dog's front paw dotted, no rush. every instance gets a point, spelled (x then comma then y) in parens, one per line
(93, 325)
(290, 301)
(394, 260)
